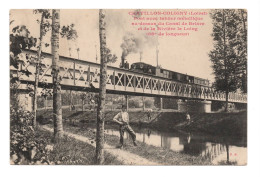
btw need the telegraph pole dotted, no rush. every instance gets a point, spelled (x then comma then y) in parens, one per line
(96, 53)
(157, 50)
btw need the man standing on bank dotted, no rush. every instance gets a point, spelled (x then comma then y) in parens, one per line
(122, 119)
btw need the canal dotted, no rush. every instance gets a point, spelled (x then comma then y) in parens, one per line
(219, 150)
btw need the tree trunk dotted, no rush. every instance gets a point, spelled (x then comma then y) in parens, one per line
(57, 104)
(225, 62)
(37, 72)
(244, 23)
(102, 90)
(245, 41)
(82, 105)
(126, 102)
(226, 105)
(227, 148)
(70, 100)
(45, 103)
(111, 103)
(143, 99)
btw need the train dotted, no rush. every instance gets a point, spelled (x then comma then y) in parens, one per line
(172, 75)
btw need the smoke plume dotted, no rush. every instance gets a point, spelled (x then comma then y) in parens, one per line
(136, 43)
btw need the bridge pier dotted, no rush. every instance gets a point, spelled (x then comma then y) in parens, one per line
(126, 102)
(25, 101)
(82, 105)
(70, 101)
(45, 103)
(121, 81)
(143, 99)
(161, 103)
(194, 106)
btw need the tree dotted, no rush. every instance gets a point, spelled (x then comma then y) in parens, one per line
(83, 97)
(22, 133)
(44, 28)
(243, 47)
(20, 39)
(105, 57)
(226, 57)
(102, 91)
(24, 147)
(57, 106)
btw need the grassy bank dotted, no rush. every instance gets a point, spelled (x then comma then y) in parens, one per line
(160, 155)
(68, 151)
(231, 124)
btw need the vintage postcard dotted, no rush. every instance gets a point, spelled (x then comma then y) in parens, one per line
(128, 87)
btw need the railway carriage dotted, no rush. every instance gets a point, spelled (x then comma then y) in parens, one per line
(172, 75)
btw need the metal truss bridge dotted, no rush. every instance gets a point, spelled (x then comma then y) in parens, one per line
(83, 75)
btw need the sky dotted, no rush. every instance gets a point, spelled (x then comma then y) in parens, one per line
(188, 55)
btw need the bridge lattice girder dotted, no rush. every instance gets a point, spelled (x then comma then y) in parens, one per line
(78, 73)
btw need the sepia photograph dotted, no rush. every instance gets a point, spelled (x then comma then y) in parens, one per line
(149, 87)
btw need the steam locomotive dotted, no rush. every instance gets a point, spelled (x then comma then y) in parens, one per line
(172, 75)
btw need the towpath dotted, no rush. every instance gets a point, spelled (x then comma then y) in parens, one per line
(125, 157)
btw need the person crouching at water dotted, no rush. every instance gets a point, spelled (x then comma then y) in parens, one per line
(122, 119)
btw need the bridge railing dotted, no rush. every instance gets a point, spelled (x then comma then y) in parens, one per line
(78, 73)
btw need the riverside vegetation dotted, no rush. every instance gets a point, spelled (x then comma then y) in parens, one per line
(228, 124)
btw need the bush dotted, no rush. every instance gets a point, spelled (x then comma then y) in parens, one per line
(134, 103)
(149, 103)
(24, 147)
(22, 134)
(43, 120)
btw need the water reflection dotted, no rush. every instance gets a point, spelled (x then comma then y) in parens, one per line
(218, 150)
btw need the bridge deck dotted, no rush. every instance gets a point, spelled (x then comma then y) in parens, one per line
(82, 75)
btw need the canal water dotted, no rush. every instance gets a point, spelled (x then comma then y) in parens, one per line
(219, 150)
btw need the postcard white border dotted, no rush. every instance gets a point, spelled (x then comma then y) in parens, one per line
(252, 168)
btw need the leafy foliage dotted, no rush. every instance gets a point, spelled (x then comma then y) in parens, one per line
(110, 58)
(46, 92)
(69, 32)
(229, 56)
(20, 39)
(157, 103)
(45, 22)
(149, 103)
(24, 147)
(134, 103)
(243, 48)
